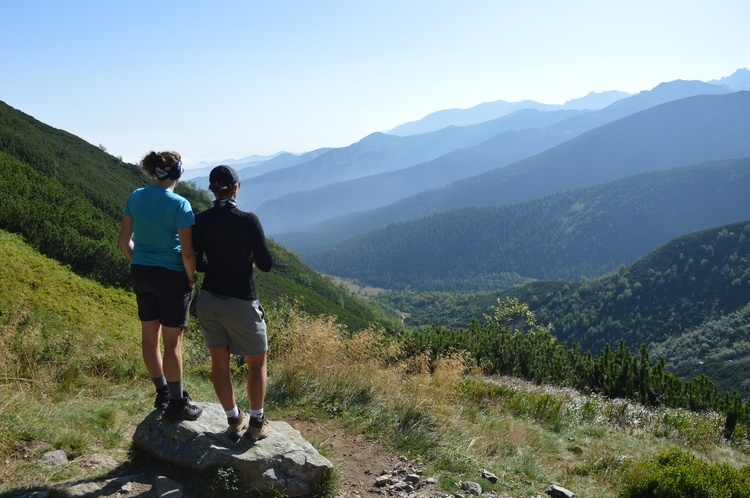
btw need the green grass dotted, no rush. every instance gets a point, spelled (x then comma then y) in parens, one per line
(73, 379)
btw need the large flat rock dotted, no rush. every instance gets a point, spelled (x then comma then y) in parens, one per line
(284, 461)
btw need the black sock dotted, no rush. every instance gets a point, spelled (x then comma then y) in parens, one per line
(175, 389)
(159, 382)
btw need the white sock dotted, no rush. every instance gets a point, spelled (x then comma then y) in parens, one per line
(257, 414)
(233, 413)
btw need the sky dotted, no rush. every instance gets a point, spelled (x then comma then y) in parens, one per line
(230, 79)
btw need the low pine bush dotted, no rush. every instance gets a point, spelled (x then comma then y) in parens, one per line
(677, 473)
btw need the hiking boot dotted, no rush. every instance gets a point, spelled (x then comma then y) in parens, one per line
(182, 409)
(258, 429)
(237, 424)
(162, 398)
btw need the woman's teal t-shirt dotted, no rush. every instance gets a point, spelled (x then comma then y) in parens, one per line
(157, 214)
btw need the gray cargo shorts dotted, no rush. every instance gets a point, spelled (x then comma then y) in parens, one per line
(233, 322)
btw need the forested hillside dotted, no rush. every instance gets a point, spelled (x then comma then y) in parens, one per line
(59, 223)
(105, 181)
(689, 301)
(578, 233)
(65, 197)
(683, 284)
(717, 348)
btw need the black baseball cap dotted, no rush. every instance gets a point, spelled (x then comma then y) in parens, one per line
(223, 176)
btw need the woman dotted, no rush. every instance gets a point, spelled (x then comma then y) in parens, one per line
(231, 318)
(163, 274)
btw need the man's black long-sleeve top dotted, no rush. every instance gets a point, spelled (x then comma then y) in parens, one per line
(227, 241)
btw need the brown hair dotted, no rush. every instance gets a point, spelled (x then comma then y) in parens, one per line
(222, 191)
(162, 160)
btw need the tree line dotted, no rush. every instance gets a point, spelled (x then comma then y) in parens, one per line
(512, 342)
(689, 300)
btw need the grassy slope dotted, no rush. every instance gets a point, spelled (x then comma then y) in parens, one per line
(47, 312)
(58, 394)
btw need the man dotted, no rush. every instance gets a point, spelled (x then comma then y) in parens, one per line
(228, 242)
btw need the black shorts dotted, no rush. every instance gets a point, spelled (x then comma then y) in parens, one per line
(161, 294)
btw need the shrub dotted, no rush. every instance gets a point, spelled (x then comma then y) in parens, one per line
(678, 473)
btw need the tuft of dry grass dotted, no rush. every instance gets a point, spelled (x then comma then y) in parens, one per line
(459, 421)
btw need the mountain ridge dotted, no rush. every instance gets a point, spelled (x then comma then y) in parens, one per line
(496, 152)
(689, 129)
(487, 111)
(502, 141)
(578, 233)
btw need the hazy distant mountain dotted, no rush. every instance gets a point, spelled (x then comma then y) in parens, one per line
(667, 92)
(492, 110)
(596, 100)
(739, 80)
(248, 170)
(582, 232)
(248, 161)
(203, 168)
(373, 154)
(379, 153)
(200, 175)
(195, 174)
(281, 161)
(511, 138)
(492, 154)
(486, 111)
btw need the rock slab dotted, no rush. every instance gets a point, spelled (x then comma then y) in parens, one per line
(284, 461)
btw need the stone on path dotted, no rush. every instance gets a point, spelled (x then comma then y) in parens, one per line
(283, 461)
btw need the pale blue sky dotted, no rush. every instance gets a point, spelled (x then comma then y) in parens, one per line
(227, 79)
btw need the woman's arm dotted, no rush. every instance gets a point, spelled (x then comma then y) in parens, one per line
(126, 236)
(188, 253)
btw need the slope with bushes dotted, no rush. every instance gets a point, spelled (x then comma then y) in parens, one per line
(683, 284)
(66, 197)
(689, 301)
